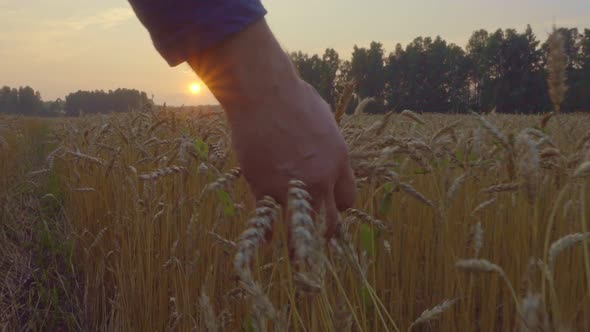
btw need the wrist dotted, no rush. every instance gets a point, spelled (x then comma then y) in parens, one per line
(247, 69)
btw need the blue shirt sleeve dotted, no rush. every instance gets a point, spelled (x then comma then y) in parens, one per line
(179, 28)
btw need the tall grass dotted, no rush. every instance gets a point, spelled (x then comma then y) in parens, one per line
(158, 216)
(37, 283)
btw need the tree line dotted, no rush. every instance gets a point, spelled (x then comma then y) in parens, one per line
(503, 70)
(24, 100)
(27, 101)
(120, 100)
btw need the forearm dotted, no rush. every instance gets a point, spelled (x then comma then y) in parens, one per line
(180, 28)
(226, 42)
(246, 69)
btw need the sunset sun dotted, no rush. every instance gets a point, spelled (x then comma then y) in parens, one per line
(195, 88)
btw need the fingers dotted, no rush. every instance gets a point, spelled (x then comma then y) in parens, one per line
(340, 198)
(323, 202)
(345, 188)
(279, 199)
(332, 218)
(327, 197)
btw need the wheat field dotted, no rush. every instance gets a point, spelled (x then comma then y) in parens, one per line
(142, 222)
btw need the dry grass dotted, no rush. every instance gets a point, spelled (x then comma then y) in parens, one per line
(37, 283)
(556, 67)
(158, 220)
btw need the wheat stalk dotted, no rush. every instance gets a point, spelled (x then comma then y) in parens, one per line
(162, 172)
(550, 153)
(483, 205)
(344, 100)
(556, 68)
(444, 130)
(582, 171)
(383, 124)
(414, 116)
(477, 238)
(357, 215)
(582, 141)
(250, 240)
(534, 316)
(225, 180)
(86, 157)
(360, 108)
(483, 265)
(208, 316)
(408, 189)
(433, 313)
(493, 131)
(562, 244)
(545, 119)
(502, 187)
(454, 188)
(529, 168)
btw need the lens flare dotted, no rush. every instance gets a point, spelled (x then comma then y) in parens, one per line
(195, 88)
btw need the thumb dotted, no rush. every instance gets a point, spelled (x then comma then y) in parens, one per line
(324, 205)
(345, 188)
(332, 216)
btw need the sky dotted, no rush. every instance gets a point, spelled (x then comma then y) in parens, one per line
(61, 46)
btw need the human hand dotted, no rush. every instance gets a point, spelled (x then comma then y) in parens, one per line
(294, 136)
(281, 128)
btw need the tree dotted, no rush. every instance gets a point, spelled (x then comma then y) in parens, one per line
(456, 79)
(577, 80)
(367, 70)
(503, 70)
(521, 88)
(477, 67)
(29, 101)
(120, 100)
(396, 89)
(53, 108)
(343, 78)
(428, 75)
(309, 68)
(506, 72)
(329, 71)
(23, 100)
(8, 100)
(583, 83)
(572, 42)
(319, 72)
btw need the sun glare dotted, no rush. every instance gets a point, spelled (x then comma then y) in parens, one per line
(195, 88)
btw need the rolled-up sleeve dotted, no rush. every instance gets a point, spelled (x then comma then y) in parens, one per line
(179, 28)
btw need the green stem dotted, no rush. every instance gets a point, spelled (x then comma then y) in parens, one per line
(584, 221)
(512, 291)
(376, 299)
(554, 302)
(550, 223)
(350, 307)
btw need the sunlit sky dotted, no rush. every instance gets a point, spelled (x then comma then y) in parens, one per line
(60, 46)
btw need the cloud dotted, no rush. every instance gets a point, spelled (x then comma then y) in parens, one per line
(54, 36)
(20, 20)
(106, 19)
(579, 21)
